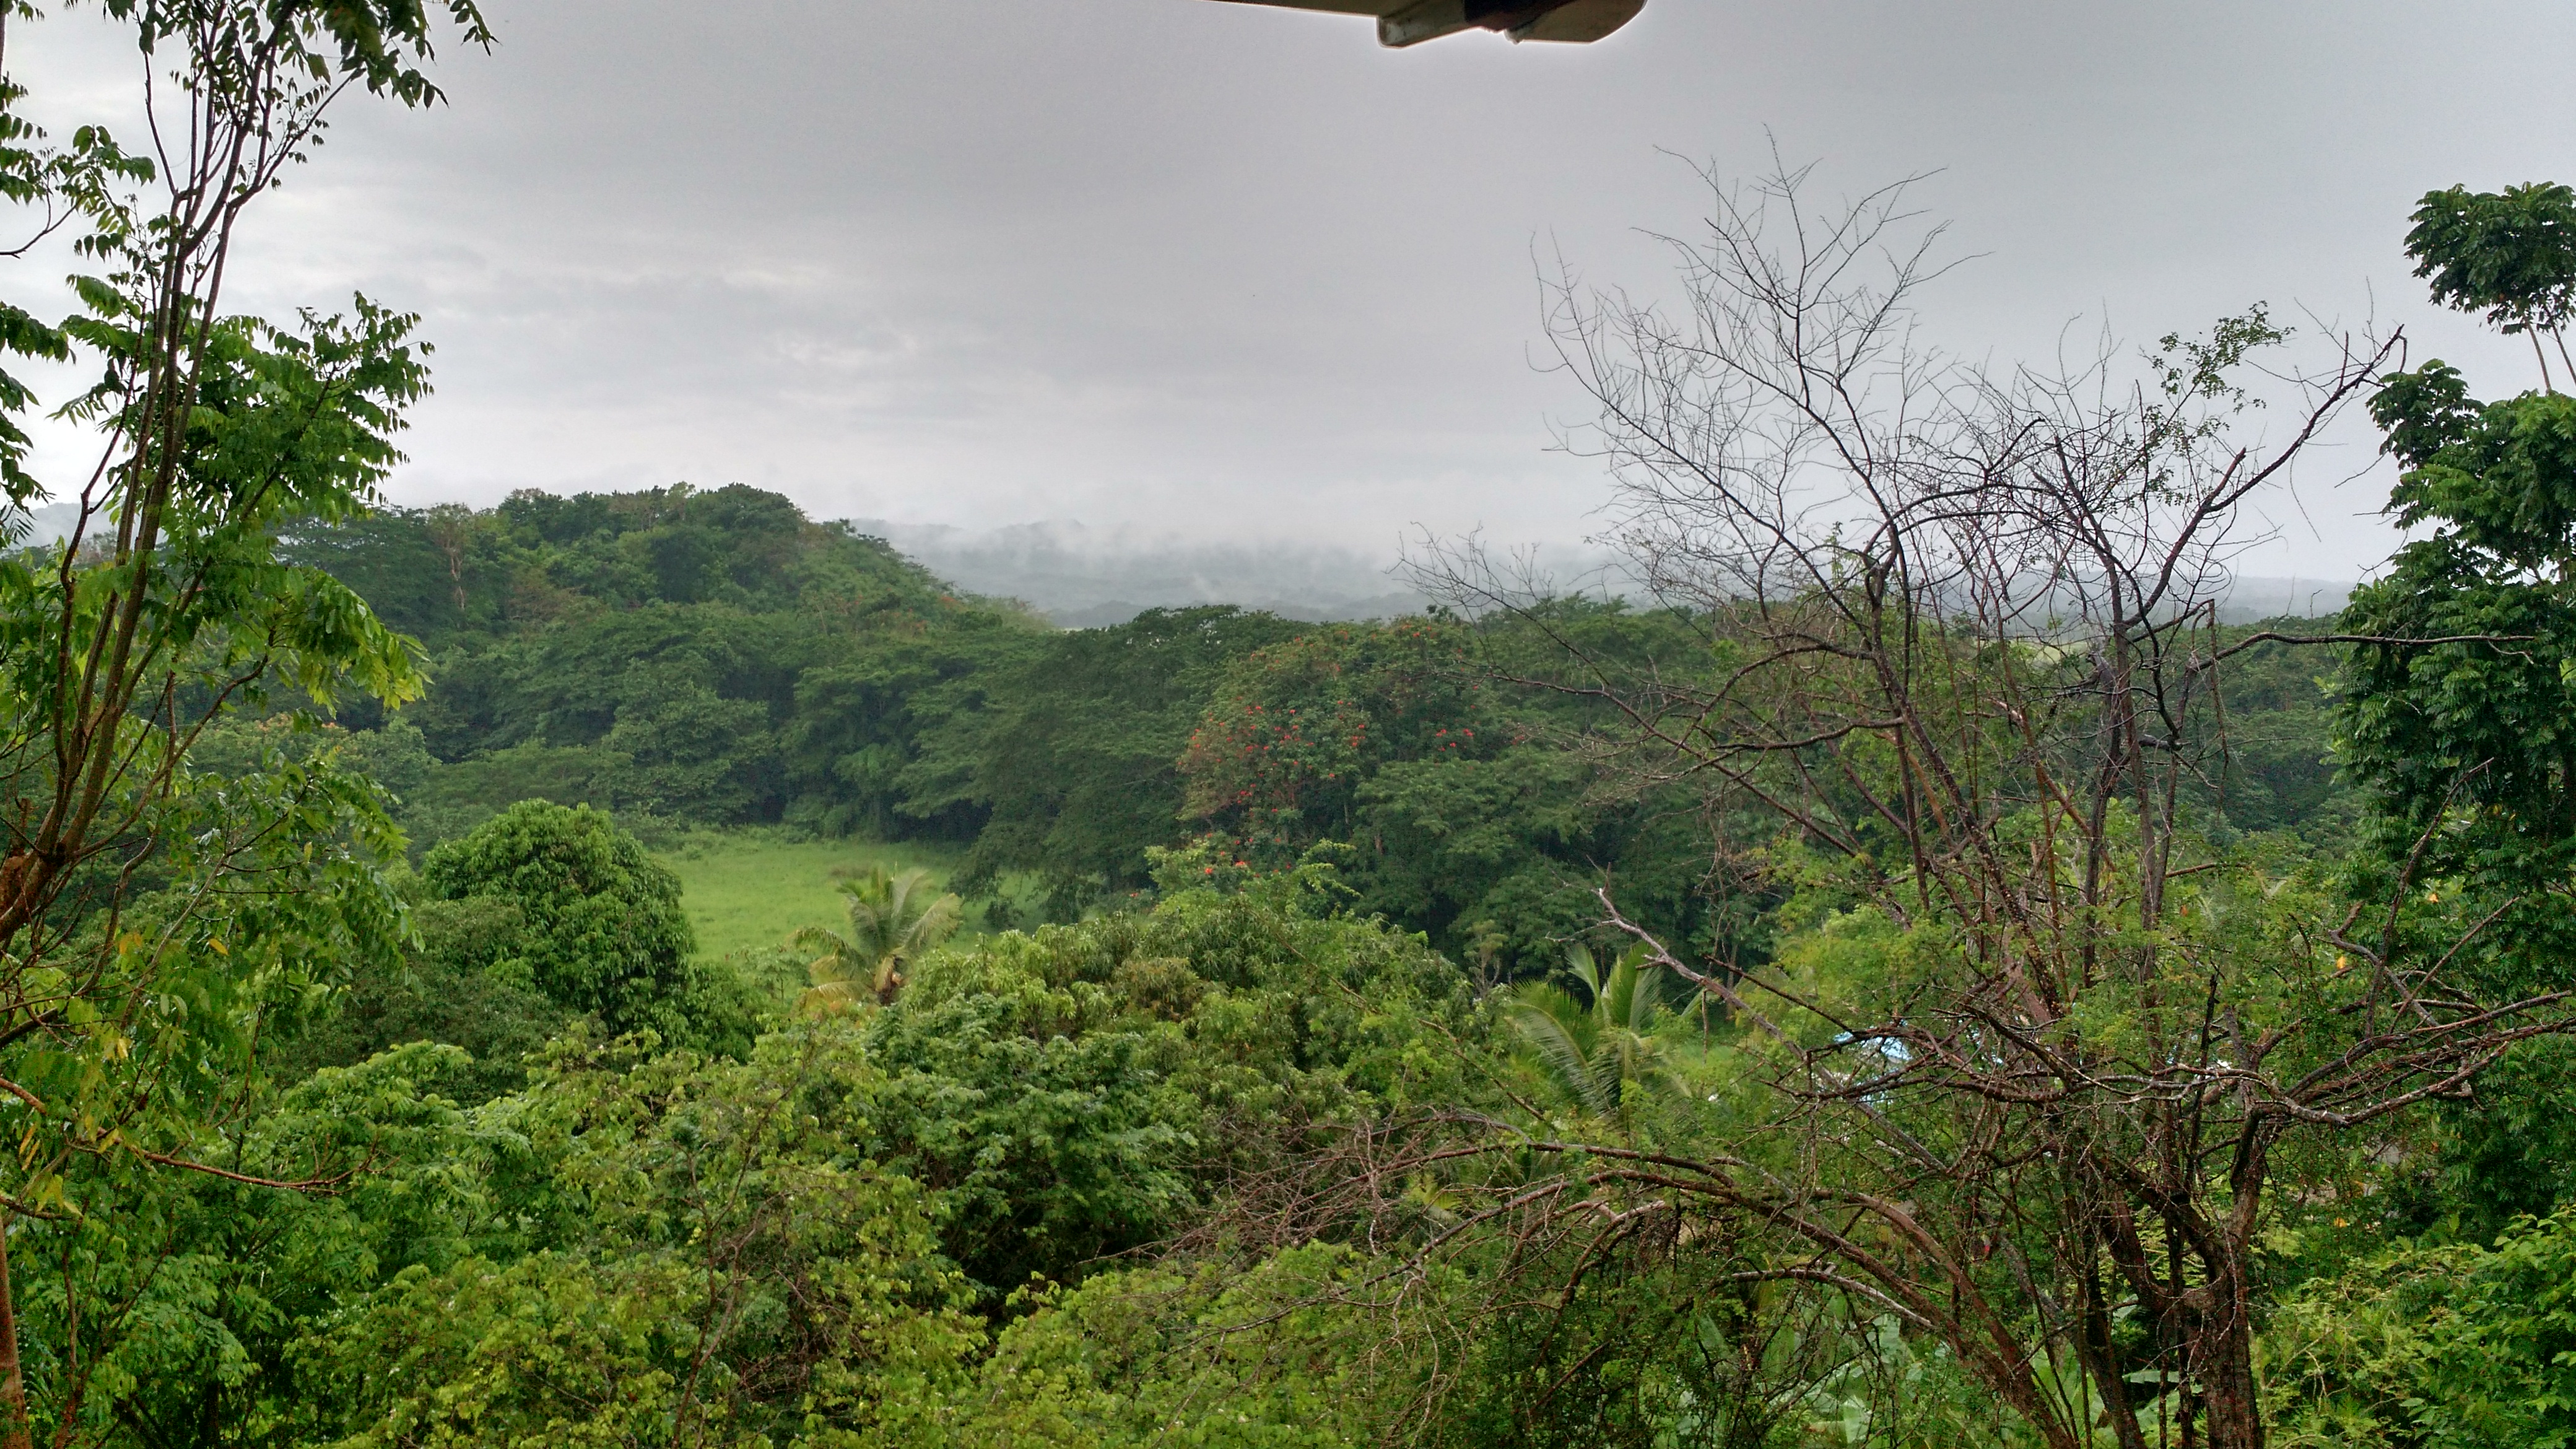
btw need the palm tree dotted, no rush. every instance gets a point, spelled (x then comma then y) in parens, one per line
(1589, 1053)
(894, 919)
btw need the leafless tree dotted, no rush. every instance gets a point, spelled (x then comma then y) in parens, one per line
(1960, 674)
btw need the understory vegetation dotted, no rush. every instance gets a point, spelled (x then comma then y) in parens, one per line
(657, 969)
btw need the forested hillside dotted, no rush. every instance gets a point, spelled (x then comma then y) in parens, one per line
(714, 658)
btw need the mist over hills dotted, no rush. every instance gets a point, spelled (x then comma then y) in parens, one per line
(1086, 578)
(2256, 596)
(1081, 577)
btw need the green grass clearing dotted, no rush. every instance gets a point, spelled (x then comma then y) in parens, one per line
(751, 889)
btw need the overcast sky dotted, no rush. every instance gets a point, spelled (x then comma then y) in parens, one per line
(1176, 267)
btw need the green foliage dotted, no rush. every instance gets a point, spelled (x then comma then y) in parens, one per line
(599, 927)
(1645, 1349)
(1077, 756)
(1475, 816)
(641, 1242)
(1592, 1055)
(2443, 1348)
(2510, 254)
(894, 921)
(265, 899)
(2459, 728)
(706, 655)
(794, 673)
(1080, 1092)
(459, 985)
(2280, 770)
(728, 1271)
(170, 1302)
(1294, 730)
(1185, 1356)
(2507, 1151)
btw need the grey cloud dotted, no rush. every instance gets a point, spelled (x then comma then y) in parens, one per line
(1241, 276)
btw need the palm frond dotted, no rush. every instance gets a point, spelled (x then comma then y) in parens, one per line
(1558, 1035)
(1591, 1051)
(1579, 960)
(894, 919)
(834, 998)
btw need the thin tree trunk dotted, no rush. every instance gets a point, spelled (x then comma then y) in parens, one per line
(14, 1433)
(2102, 1361)
(2224, 1365)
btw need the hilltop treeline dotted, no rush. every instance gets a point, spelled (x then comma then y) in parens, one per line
(713, 657)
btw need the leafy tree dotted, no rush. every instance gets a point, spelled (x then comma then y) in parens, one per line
(2506, 1152)
(153, 921)
(1086, 1090)
(1473, 806)
(600, 929)
(894, 920)
(2510, 254)
(1075, 754)
(1273, 1358)
(456, 984)
(170, 1316)
(2439, 1346)
(1510, 842)
(1295, 729)
(2472, 728)
(726, 1269)
(2456, 718)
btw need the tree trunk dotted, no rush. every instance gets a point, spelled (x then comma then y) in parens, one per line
(14, 1433)
(2222, 1360)
(2102, 1362)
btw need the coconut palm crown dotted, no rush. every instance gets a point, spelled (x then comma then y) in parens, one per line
(1589, 1053)
(894, 920)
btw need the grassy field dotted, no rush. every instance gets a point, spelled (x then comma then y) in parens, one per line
(752, 888)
